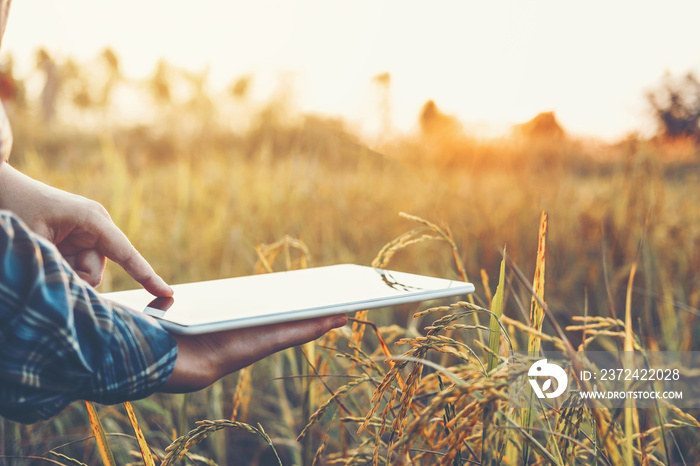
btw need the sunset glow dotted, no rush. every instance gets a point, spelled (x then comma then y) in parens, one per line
(491, 65)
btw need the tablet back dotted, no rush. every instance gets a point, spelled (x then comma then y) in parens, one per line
(248, 301)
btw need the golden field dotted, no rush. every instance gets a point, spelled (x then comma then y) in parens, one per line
(202, 200)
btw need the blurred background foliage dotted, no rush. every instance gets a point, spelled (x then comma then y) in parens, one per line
(200, 181)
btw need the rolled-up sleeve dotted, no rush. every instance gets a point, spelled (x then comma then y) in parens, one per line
(60, 341)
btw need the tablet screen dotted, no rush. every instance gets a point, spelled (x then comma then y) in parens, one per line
(247, 301)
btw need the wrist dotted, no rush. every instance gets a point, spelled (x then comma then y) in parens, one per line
(193, 370)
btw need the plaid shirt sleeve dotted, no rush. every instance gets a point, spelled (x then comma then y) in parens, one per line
(61, 342)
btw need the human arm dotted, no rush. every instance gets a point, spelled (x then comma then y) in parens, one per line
(80, 228)
(203, 359)
(61, 341)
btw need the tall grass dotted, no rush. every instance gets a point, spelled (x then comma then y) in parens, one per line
(399, 386)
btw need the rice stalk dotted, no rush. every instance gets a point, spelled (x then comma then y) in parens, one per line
(307, 351)
(687, 416)
(446, 234)
(362, 360)
(446, 322)
(143, 445)
(534, 443)
(661, 428)
(558, 343)
(321, 377)
(70, 461)
(447, 417)
(536, 309)
(382, 428)
(316, 416)
(414, 236)
(415, 355)
(489, 438)
(487, 287)
(384, 385)
(358, 330)
(100, 437)
(268, 254)
(631, 419)
(434, 232)
(286, 415)
(479, 390)
(569, 425)
(183, 444)
(405, 402)
(322, 447)
(382, 344)
(242, 394)
(182, 415)
(497, 309)
(550, 433)
(536, 319)
(667, 314)
(263, 264)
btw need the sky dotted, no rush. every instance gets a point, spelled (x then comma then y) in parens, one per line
(491, 64)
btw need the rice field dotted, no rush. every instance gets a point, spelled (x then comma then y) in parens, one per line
(615, 257)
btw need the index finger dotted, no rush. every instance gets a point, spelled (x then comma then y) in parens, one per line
(114, 244)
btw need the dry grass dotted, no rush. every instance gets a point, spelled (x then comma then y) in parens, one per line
(401, 386)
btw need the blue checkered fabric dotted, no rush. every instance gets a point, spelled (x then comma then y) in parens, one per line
(60, 341)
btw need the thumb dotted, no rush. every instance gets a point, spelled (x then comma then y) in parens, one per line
(89, 265)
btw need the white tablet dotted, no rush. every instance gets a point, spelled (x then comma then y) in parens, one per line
(254, 300)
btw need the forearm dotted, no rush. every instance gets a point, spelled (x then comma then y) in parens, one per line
(26, 197)
(11, 181)
(34, 201)
(13, 184)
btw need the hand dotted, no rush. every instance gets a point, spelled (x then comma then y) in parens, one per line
(204, 359)
(80, 228)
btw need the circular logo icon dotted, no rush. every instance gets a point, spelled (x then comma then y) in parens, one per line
(544, 369)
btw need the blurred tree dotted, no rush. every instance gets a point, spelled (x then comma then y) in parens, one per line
(383, 81)
(435, 123)
(544, 127)
(443, 135)
(52, 83)
(75, 85)
(113, 75)
(12, 91)
(676, 106)
(240, 87)
(160, 83)
(199, 99)
(90, 86)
